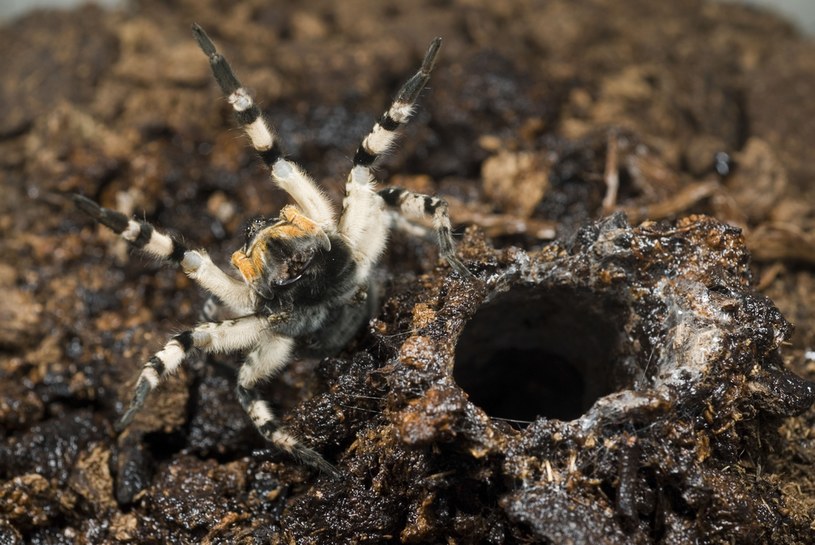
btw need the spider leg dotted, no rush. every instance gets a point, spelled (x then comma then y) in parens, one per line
(362, 223)
(266, 360)
(398, 222)
(285, 173)
(383, 135)
(227, 336)
(195, 264)
(417, 205)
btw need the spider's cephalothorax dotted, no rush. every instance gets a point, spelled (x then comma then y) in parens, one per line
(305, 274)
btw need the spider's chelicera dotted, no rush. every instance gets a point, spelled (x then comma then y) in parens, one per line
(305, 274)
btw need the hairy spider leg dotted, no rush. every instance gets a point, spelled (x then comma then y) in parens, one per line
(362, 223)
(360, 227)
(196, 264)
(418, 205)
(383, 134)
(286, 174)
(212, 337)
(271, 355)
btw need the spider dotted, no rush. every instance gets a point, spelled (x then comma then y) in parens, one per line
(305, 274)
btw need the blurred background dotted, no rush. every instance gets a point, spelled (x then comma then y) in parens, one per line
(800, 12)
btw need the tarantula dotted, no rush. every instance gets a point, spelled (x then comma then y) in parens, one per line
(304, 274)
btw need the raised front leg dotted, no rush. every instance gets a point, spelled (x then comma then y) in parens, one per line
(362, 223)
(285, 173)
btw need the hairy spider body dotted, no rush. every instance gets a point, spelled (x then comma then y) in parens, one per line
(305, 275)
(323, 307)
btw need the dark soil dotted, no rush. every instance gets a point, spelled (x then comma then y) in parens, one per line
(624, 371)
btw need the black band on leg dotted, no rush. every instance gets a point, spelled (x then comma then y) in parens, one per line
(271, 155)
(145, 233)
(363, 157)
(185, 340)
(248, 116)
(392, 196)
(388, 123)
(179, 249)
(156, 363)
(431, 204)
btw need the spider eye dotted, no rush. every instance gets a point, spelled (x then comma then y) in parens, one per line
(254, 227)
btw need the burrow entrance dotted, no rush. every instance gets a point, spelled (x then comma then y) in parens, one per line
(538, 351)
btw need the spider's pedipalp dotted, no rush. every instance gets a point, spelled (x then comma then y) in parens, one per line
(227, 336)
(233, 293)
(417, 205)
(286, 174)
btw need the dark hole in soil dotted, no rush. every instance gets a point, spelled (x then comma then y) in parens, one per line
(537, 351)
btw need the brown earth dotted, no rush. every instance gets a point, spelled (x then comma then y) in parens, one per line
(607, 380)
